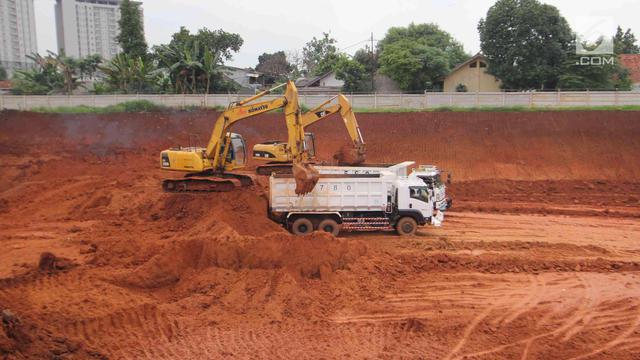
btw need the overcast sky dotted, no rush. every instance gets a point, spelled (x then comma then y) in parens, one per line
(272, 25)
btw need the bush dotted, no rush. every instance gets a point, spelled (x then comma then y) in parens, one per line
(128, 106)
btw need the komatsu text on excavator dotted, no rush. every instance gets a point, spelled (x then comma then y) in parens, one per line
(210, 168)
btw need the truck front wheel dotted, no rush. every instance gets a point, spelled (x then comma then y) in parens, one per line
(330, 226)
(302, 226)
(406, 226)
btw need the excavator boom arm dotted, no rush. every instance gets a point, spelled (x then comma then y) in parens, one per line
(346, 112)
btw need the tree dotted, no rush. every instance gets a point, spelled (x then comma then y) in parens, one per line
(418, 55)
(45, 78)
(526, 42)
(88, 65)
(599, 75)
(354, 75)
(319, 55)
(131, 36)
(126, 74)
(625, 42)
(275, 66)
(210, 66)
(192, 61)
(3, 73)
(368, 59)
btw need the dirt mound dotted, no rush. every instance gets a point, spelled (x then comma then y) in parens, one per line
(313, 256)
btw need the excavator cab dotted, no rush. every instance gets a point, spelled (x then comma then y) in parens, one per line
(193, 159)
(276, 151)
(237, 154)
(310, 144)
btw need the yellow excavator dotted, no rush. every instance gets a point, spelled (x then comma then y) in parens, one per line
(279, 156)
(209, 169)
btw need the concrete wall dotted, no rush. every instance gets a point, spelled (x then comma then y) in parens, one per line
(373, 101)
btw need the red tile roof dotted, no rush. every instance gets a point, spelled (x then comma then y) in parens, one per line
(632, 62)
(5, 84)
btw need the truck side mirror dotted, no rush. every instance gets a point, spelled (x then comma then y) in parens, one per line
(448, 178)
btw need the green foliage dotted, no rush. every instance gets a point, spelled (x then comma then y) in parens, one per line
(354, 74)
(594, 77)
(131, 36)
(368, 59)
(275, 66)
(54, 73)
(526, 42)
(3, 73)
(127, 106)
(319, 56)
(625, 42)
(461, 88)
(88, 66)
(501, 109)
(192, 61)
(418, 55)
(125, 74)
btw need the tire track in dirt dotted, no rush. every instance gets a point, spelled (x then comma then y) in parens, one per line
(582, 318)
(564, 306)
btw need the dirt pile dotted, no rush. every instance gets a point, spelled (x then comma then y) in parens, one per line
(314, 256)
(348, 155)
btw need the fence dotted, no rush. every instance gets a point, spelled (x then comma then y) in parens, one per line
(371, 101)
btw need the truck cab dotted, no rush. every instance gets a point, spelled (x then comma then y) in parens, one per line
(415, 199)
(432, 177)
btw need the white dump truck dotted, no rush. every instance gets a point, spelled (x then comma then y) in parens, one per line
(429, 174)
(360, 199)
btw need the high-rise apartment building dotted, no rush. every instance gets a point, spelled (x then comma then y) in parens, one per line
(17, 34)
(87, 27)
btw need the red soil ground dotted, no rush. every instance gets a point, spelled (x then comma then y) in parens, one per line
(538, 259)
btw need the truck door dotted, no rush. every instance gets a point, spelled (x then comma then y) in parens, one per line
(419, 199)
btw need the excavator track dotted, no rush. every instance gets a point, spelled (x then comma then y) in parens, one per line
(278, 168)
(206, 183)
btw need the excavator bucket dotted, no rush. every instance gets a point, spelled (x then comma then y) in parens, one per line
(306, 177)
(348, 155)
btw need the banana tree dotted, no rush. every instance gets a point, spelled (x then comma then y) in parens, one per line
(210, 64)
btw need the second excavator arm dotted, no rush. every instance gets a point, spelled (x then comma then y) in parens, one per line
(346, 112)
(355, 155)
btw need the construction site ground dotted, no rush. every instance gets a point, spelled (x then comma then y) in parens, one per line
(539, 258)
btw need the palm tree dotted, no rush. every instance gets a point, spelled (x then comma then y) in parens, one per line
(68, 67)
(209, 66)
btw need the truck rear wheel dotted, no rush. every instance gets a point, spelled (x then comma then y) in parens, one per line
(302, 226)
(406, 226)
(330, 226)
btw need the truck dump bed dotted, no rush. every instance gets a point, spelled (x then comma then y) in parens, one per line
(331, 194)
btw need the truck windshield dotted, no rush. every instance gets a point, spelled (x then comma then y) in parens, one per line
(419, 193)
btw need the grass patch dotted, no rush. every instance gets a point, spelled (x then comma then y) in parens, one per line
(501, 109)
(148, 106)
(128, 106)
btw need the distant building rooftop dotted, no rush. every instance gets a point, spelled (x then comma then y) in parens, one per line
(632, 62)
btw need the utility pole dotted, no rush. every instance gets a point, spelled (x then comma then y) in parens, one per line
(373, 66)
